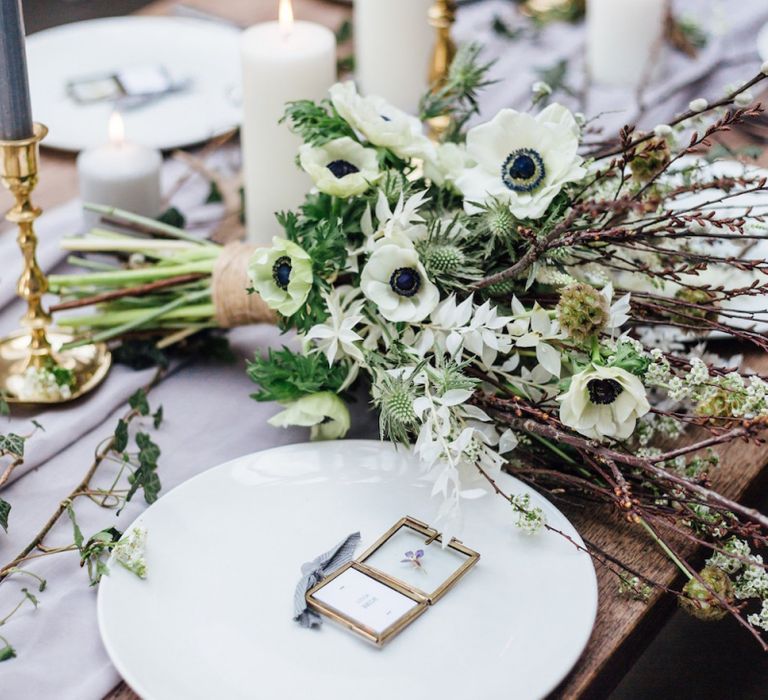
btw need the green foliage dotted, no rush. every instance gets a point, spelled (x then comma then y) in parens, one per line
(157, 417)
(140, 354)
(94, 552)
(138, 402)
(121, 436)
(457, 97)
(173, 217)
(12, 444)
(5, 511)
(287, 376)
(5, 409)
(6, 651)
(316, 123)
(214, 194)
(145, 477)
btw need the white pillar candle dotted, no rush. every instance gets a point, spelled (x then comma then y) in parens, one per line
(121, 174)
(622, 36)
(393, 46)
(282, 62)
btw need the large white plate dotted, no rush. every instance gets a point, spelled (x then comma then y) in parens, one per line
(213, 618)
(205, 52)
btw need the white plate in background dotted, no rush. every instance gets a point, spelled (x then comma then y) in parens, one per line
(207, 53)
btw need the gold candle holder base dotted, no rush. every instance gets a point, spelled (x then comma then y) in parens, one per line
(35, 348)
(442, 15)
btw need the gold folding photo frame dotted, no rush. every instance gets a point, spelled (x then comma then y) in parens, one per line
(393, 582)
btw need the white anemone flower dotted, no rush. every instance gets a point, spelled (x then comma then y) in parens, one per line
(323, 412)
(282, 275)
(522, 161)
(380, 122)
(395, 280)
(342, 167)
(604, 402)
(449, 161)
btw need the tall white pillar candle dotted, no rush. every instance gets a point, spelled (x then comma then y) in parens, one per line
(121, 174)
(393, 46)
(622, 36)
(282, 62)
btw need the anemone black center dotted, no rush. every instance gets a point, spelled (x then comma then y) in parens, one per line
(342, 168)
(523, 170)
(281, 271)
(603, 392)
(405, 281)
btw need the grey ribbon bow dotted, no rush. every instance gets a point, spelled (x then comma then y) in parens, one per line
(315, 571)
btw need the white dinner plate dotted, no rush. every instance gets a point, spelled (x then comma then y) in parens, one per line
(204, 53)
(213, 619)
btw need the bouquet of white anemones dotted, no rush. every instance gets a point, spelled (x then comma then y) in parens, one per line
(511, 294)
(519, 300)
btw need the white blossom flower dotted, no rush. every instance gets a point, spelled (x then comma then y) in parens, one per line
(395, 280)
(522, 161)
(402, 225)
(130, 551)
(336, 336)
(744, 99)
(282, 275)
(449, 161)
(533, 330)
(698, 105)
(380, 122)
(342, 167)
(324, 412)
(43, 382)
(604, 402)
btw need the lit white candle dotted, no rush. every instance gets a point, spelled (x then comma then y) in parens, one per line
(622, 38)
(393, 46)
(121, 174)
(282, 61)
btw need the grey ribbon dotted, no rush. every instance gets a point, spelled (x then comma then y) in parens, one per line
(315, 571)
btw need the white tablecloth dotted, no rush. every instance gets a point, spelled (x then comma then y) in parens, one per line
(210, 417)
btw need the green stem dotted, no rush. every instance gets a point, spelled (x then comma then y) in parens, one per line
(121, 277)
(673, 557)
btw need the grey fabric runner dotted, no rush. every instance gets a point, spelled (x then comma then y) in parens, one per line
(60, 655)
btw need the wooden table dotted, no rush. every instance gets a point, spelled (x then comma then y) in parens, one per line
(623, 628)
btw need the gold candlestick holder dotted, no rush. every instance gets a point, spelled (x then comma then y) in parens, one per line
(442, 15)
(28, 353)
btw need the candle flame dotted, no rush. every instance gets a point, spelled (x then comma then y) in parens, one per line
(285, 17)
(116, 129)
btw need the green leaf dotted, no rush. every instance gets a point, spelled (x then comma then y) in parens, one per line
(38, 425)
(77, 532)
(157, 417)
(140, 354)
(5, 409)
(317, 124)
(5, 511)
(145, 477)
(7, 652)
(286, 376)
(214, 194)
(12, 443)
(173, 217)
(121, 436)
(344, 32)
(30, 597)
(138, 402)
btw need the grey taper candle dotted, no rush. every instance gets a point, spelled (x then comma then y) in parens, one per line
(15, 107)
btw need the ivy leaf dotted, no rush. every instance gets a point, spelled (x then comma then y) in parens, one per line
(5, 510)
(121, 436)
(145, 477)
(38, 425)
(214, 194)
(138, 402)
(7, 652)
(12, 443)
(173, 217)
(30, 597)
(140, 354)
(157, 417)
(77, 532)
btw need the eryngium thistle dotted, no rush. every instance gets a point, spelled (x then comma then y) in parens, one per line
(505, 288)
(700, 601)
(397, 416)
(444, 258)
(500, 221)
(582, 311)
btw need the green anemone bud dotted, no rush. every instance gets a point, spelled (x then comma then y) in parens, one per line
(700, 601)
(444, 258)
(500, 222)
(582, 311)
